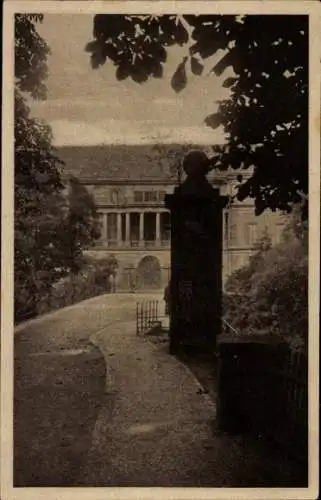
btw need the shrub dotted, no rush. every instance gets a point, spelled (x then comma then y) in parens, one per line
(90, 281)
(270, 295)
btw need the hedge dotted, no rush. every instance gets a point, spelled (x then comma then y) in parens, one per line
(92, 280)
(270, 294)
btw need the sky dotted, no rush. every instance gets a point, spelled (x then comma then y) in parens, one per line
(89, 107)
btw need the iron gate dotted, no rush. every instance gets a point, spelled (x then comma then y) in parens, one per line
(147, 316)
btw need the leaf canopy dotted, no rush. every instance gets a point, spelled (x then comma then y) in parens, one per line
(265, 116)
(48, 243)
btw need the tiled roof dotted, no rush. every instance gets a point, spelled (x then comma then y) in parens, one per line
(131, 163)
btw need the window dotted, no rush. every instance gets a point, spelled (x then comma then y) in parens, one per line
(145, 196)
(235, 262)
(112, 227)
(278, 232)
(233, 234)
(149, 226)
(134, 228)
(150, 196)
(165, 226)
(243, 260)
(138, 196)
(251, 234)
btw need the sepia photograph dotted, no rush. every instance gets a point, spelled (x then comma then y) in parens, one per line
(159, 306)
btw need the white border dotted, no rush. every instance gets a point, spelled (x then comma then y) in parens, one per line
(162, 7)
(134, 7)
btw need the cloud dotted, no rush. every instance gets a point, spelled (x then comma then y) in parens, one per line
(91, 107)
(84, 134)
(171, 112)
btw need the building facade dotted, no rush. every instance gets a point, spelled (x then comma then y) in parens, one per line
(129, 185)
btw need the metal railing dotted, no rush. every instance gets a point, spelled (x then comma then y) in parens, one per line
(292, 429)
(280, 379)
(147, 316)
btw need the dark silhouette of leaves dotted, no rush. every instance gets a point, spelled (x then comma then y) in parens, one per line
(97, 59)
(196, 66)
(158, 71)
(213, 121)
(139, 73)
(229, 82)
(265, 117)
(91, 46)
(224, 63)
(179, 79)
(122, 71)
(158, 52)
(31, 53)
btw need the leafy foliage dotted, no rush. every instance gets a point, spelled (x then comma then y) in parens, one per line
(265, 117)
(173, 156)
(31, 53)
(44, 218)
(38, 215)
(270, 294)
(91, 280)
(135, 44)
(51, 227)
(81, 226)
(239, 281)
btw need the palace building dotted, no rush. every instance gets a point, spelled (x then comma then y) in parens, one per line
(129, 184)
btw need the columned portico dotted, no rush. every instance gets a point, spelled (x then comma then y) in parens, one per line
(141, 229)
(158, 235)
(119, 235)
(104, 227)
(127, 229)
(135, 228)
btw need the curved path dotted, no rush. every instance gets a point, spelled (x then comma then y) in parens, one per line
(156, 427)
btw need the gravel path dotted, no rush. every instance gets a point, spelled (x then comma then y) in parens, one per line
(155, 426)
(72, 326)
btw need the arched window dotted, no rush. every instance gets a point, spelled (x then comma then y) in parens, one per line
(149, 273)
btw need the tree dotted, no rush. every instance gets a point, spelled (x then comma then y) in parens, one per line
(38, 185)
(81, 226)
(31, 52)
(297, 227)
(239, 281)
(270, 294)
(266, 115)
(43, 217)
(172, 157)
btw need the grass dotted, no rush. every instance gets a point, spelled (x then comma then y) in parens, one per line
(56, 403)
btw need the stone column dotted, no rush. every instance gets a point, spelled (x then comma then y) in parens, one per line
(158, 235)
(104, 229)
(119, 235)
(127, 230)
(141, 229)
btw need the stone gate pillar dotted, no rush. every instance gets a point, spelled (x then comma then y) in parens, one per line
(196, 258)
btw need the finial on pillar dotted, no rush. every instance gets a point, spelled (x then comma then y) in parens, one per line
(196, 163)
